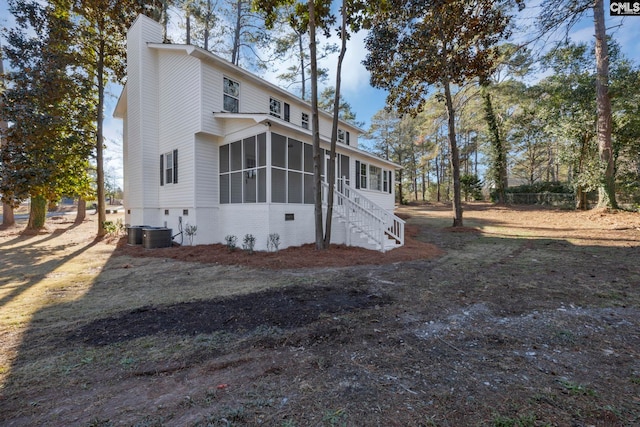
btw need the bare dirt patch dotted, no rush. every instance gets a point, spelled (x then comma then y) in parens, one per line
(527, 317)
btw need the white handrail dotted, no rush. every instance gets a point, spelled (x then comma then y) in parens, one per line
(370, 219)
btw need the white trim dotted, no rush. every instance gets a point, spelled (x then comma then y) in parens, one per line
(269, 120)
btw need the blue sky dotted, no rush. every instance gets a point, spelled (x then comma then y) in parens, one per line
(356, 90)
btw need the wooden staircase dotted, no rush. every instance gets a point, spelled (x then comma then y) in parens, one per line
(365, 220)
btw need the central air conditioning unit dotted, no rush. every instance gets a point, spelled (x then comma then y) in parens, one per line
(156, 237)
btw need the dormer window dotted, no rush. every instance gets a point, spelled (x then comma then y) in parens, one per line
(275, 107)
(231, 102)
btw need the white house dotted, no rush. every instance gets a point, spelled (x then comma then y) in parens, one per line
(207, 143)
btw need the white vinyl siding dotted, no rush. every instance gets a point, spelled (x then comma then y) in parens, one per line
(142, 119)
(206, 171)
(178, 91)
(211, 99)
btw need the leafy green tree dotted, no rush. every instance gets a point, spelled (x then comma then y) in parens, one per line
(101, 27)
(326, 102)
(418, 44)
(498, 149)
(46, 104)
(248, 34)
(567, 106)
(205, 19)
(531, 145)
(292, 45)
(558, 14)
(471, 186)
(8, 218)
(397, 139)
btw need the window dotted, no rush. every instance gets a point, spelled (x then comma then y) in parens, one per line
(287, 112)
(231, 100)
(305, 120)
(169, 168)
(387, 181)
(168, 163)
(343, 136)
(275, 107)
(243, 177)
(361, 174)
(375, 178)
(343, 171)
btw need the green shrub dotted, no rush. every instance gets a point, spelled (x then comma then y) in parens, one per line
(231, 242)
(248, 243)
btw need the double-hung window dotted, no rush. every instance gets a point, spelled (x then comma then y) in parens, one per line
(275, 107)
(169, 168)
(231, 96)
(343, 136)
(287, 112)
(361, 174)
(305, 121)
(375, 178)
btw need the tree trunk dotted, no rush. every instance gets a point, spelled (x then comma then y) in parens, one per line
(235, 54)
(581, 198)
(400, 189)
(331, 172)
(164, 18)
(206, 25)
(315, 126)
(81, 213)
(303, 92)
(37, 212)
(500, 159)
(606, 192)
(188, 25)
(455, 157)
(475, 160)
(437, 180)
(8, 219)
(99, 139)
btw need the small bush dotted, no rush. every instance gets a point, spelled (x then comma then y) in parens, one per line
(542, 187)
(248, 243)
(114, 228)
(231, 242)
(273, 242)
(190, 231)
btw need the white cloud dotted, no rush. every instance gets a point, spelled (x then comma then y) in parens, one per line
(355, 76)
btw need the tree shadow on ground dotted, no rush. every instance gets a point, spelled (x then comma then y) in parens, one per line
(498, 327)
